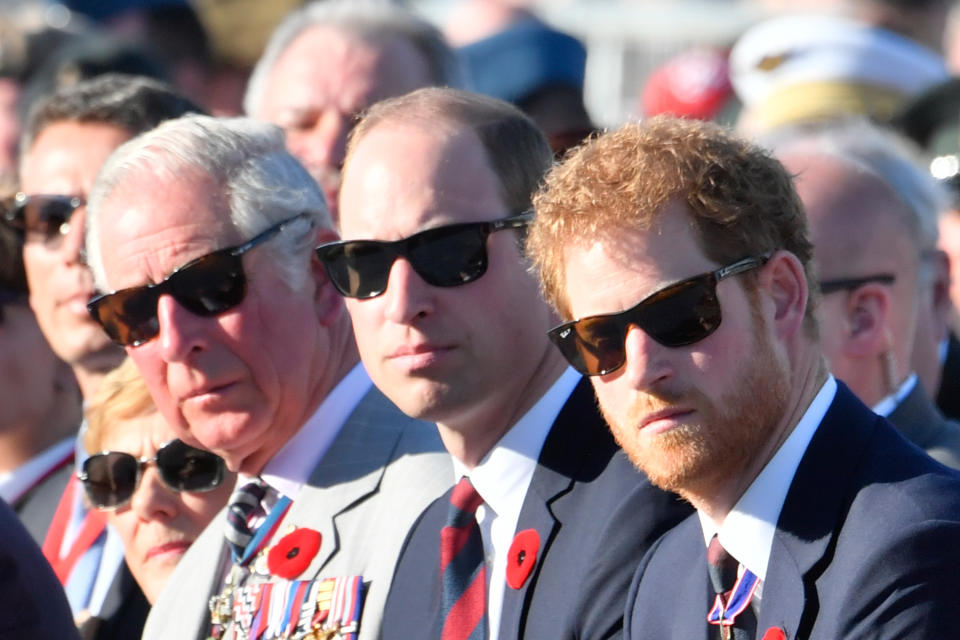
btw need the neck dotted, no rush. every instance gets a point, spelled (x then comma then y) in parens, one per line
(475, 431)
(716, 497)
(344, 353)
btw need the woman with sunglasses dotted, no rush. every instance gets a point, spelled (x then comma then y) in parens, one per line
(158, 492)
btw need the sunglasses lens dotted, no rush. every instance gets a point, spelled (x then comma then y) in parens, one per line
(449, 256)
(185, 468)
(128, 316)
(358, 269)
(44, 216)
(210, 285)
(682, 314)
(110, 478)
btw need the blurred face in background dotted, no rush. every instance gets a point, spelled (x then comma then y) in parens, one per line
(318, 86)
(64, 160)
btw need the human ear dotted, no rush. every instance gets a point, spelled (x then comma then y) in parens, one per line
(785, 281)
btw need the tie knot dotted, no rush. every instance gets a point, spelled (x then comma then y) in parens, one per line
(465, 498)
(717, 555)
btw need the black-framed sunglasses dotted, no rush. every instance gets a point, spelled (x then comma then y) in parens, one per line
(852, 284)
(207, 286)
(110, 478)
(43, 216)
(446, 256)
(676, 316)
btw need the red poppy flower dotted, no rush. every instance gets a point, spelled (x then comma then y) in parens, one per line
(522, 557)
(774, 633)
(293, 552)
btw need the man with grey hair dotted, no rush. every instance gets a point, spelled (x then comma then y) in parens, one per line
(329, 61)
(203, 231)
(873, 218)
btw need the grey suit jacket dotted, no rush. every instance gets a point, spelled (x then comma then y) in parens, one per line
(920, 422)
(379, 474)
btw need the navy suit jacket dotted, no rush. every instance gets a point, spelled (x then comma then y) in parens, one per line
(948, 395)
(867, 546)
(32, 603)
(595, 515)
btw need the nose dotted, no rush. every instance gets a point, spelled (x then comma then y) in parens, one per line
(180, 332)
(407, 297)
(153, 500)
(71, 244)
(647, 361)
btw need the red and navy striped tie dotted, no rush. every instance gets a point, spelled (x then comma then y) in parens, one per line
(462, 569)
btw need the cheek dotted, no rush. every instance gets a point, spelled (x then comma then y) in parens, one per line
(125, 522)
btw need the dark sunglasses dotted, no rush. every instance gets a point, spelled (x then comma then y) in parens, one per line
(207, 286)
(44, 217)
(675, 316)
(110, 478)
(852, 284)
(446, 256)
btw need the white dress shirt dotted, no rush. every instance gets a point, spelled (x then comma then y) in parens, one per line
(747, 531)
(886, 406)
(502, 478)
(289, 469)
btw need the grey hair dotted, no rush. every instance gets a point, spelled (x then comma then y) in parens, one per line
(259, 182)
(368, 19)
(885, 154)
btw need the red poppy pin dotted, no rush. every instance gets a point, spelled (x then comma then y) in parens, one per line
(522, 557)
(774, 633)
(293, 552)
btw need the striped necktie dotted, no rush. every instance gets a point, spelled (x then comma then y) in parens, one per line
(462, 569)
(731, 608)
(244, 502)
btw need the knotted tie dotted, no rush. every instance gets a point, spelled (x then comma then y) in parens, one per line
(731, 608)
(243, 503)
(462, 569)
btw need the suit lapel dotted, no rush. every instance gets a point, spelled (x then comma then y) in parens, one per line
(812, 513)
(349, 472)
(571, 439)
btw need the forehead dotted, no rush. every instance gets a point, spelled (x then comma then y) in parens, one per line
(138, 435)
(150, 225)
(327, 66)
(66, 156)
(405, 176)
(623, 266)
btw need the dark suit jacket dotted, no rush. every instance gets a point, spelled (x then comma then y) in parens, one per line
(32, 603)
(124, 611)
(922, 424)
(867, 546)
(595, 515)
(948, 396)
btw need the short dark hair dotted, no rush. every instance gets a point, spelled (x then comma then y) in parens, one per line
(134, 103)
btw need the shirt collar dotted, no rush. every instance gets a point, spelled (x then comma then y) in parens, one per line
(14, 484)
(503, 475)
(290, 468)
(747, 531)
(886, 406)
